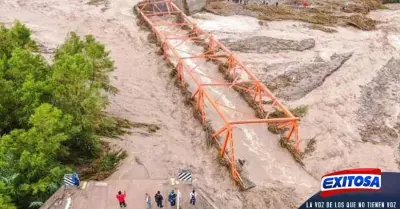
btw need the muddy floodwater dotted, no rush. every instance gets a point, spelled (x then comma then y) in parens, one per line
(348, 79)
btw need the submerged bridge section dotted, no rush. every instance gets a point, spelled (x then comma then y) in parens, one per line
(226, 95)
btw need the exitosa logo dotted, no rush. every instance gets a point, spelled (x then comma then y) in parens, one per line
(351, 180)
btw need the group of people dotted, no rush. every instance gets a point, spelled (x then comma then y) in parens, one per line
(245, 2)
(158, 198)
(240, 1)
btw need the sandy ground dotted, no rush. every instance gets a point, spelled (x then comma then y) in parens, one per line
(337, 105)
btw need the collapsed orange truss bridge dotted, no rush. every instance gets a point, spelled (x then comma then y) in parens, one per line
(172, 29)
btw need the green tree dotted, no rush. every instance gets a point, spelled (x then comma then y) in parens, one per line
(81, 83)
(23, 78)
(95, 54)
(18, 36)
(5, 201)
(6, 106)
(50, 114)
(32, 155)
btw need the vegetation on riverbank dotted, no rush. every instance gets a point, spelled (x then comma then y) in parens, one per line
(51, 113)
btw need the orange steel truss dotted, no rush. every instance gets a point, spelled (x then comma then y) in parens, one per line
(152, 12)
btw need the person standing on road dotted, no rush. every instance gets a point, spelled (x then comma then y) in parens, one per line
(159, 198)
(148, 201)
(172, 198)
(121, 199)
(193, 195)
(305, 3)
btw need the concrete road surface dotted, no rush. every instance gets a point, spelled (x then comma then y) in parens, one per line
(102, 195)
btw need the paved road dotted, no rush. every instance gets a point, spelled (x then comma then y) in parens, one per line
(101, 195)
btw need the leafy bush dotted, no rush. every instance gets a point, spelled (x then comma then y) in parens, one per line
(109, 161)
(105, 165)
